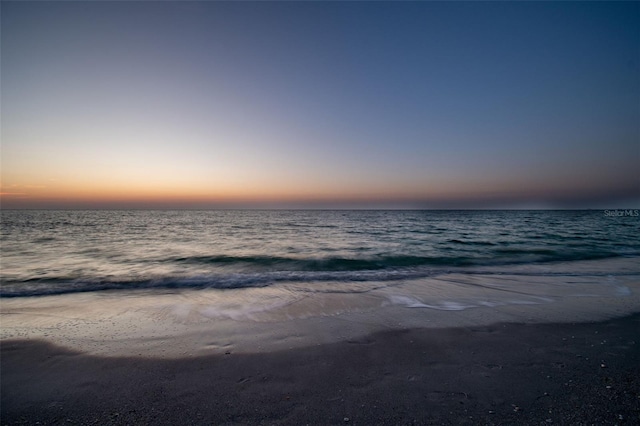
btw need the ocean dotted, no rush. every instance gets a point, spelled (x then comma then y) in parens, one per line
(191, 283)
(56, 252)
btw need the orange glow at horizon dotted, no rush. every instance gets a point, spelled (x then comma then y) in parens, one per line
(169, 191)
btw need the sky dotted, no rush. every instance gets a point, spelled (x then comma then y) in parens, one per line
(320, 104)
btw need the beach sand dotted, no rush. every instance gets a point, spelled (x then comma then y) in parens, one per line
(528, 345)
(585, 373)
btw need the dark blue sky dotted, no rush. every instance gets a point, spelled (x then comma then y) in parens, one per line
(415, 104)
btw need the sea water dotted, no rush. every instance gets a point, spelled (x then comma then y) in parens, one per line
(53, 252)
(124, 273)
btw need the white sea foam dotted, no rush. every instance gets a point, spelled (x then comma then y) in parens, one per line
(452, 305)
(445, 305)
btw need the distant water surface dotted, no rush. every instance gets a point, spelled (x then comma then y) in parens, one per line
(55, 252)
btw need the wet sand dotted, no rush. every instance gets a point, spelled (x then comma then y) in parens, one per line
(505, 373)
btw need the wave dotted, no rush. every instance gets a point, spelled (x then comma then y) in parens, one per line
(544, 255)
(325, 264)
(497, 256)
(56, 286)
(65, 285)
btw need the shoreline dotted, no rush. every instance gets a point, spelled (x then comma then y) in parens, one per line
(504, 373)
(295, 315)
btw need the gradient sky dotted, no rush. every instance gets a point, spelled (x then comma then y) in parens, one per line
(284, 104)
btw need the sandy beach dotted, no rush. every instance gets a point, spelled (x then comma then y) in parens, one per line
(499, 374)
(524, 345)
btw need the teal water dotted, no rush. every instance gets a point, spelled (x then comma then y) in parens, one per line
(55, 252)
